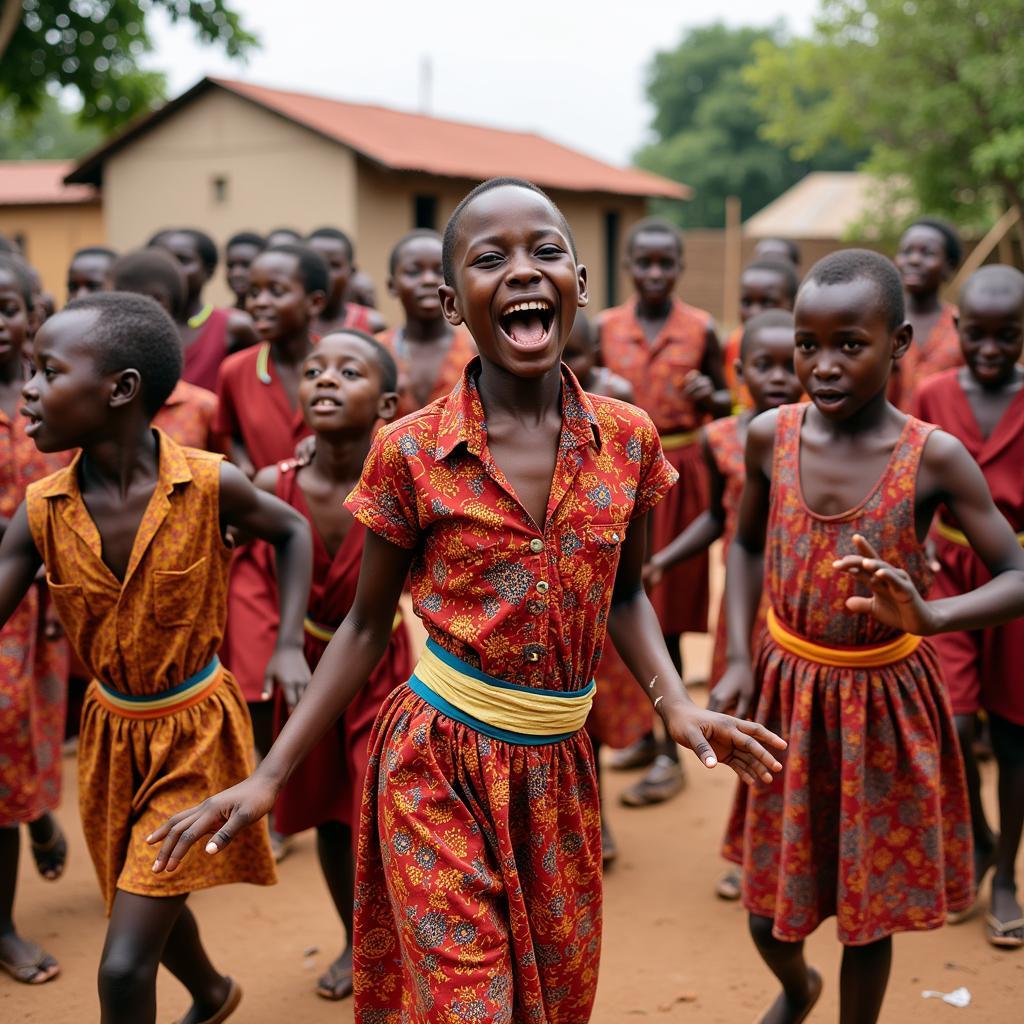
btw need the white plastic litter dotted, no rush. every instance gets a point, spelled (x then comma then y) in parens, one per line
(958, 997)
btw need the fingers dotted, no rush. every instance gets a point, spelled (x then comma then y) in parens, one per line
(761, 734)
(698, 743)
(863, 545)
(268, 687)
(191, 827)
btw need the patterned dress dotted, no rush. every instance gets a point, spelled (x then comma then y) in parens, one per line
(478, 888)
(868, 820)
(188, 417)
(33, 670)
(144, 635)
(939, 351)
(460, 350)
(657, 372)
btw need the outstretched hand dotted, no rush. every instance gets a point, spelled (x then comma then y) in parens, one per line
(894, 599)
(717, 738)
(221, 816)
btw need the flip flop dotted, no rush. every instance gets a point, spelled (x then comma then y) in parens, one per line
(228, 1007)
(51, 856)
(730, 885)
(28, 973)
(342, 989)
(997, 932)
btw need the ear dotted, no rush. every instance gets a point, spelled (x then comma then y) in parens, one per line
(737, 367)
(387, 406)
(450, 305)
(581, 281)
(315, 302)
(126, 386)
(901, 340)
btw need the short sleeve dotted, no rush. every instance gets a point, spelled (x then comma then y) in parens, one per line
(225, 421)
(384, 500)
(657, 475)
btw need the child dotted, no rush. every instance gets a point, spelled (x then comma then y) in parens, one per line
(132, 538)
(208, 335)
(764, 284)
(928, 255)
(669, 353)
(983, 405)
(33, 665)
(868, 821)
(765, 370)
(784, 249)
(431, 354)
(87, 272)
(239, 253)
(478, 891)
(339, 254)
(348, 385)
(282, 236)
(189, 414)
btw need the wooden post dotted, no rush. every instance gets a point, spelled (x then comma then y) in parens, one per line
(983, 249)
(733, 260)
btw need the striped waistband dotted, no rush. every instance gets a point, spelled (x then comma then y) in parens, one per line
(955, 536)
(873, 656)
(159, 705)
(681, 439)
(325, 633)
(501, 710)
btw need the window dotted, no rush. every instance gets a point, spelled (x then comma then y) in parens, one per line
(424, 212)
(220, 188)
(611, 256)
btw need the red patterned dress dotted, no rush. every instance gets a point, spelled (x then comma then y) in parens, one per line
(868, 819)
(478, 883)
(657, 372)
(33, 670)
(939, 351)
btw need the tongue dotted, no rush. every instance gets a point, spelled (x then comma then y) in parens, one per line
(526, 328)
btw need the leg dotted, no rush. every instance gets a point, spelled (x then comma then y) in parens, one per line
(185, 957)
(22, 959)
(801, 985)
(1008, 746)
(334, 848)
(49, 846)
(609, 851)
(862, 981)
(984, 839)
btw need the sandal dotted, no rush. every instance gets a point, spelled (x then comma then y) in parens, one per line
(335, 983)
(228, 1007)
(998, 931)
(51, 857)
(40, 969)
(609, 848)
(730, 885)
(637, 755)
(662, 782)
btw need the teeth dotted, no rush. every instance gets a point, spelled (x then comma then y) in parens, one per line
(523, 307)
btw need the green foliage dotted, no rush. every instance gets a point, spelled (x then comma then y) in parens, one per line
(931, 87)
(54, 133)
(707, 127)
(94, 46)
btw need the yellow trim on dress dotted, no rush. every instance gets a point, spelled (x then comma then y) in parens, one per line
(325, 633)
(955, 536)
(874, 656)
(682, 439)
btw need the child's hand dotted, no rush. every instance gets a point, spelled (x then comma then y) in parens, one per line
(652, 574)
(734, 691)
(699, 388)
(931, 554)
(718, 738)
(288, 669)
(305, 450)
(895, 600)
(227, 813)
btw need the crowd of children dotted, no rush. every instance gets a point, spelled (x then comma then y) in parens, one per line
(210, 517)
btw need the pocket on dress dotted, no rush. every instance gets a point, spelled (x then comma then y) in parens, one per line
(178, 594)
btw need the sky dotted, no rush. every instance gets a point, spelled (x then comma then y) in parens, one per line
(555, 67)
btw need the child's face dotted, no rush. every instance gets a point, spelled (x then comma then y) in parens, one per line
(339, 264)
(14, 318)
(87, 275)
(417, 277)
(341, 389)
(238, 260)
(844, 347)
(768, 369)
(183, 248)
(761, 290)
(517, 286)
(277, 300)
(580, 353)
(654, 262)
(921, 260)
(991, 328)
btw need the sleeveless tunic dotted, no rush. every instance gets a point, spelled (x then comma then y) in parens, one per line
(208, 350)
(868, 820)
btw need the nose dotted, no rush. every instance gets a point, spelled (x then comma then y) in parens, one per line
(521, 271)
(30, 389)
(826, 367)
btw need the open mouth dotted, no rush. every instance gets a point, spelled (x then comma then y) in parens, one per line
(325, 402)
(34, 421)
(528, 324)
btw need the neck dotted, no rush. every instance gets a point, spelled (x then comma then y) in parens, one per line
(870, 417)
(437, 329)
(923, 303)
(12, 370)
(290, 351)
(340, 459)
(654, 310)
(118, 460)
(193, 305)
(529, 399)
(333, 308)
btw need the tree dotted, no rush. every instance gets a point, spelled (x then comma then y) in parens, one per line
(706, 127)
(931, 87)
(94, 47)
(54, 133)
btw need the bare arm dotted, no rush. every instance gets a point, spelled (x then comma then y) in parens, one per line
(377, 322)
(19, 563)
(708, 387)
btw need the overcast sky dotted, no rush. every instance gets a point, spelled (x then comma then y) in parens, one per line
(551, 66)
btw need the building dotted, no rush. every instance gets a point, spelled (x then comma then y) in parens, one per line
(228, 156)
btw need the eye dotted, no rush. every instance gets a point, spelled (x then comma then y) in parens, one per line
(851, 346)
(550, 250)
(487, 259)
(351, 374)
(805, 345)
(311, 371)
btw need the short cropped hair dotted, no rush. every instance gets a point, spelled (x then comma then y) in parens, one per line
(134, 332)
(782, 268)
(246, 238)
(95, 250)
(789, 245)
(134, 270)
(206, 248)
(848, 265)
(995, 278)
(337, 235)
(951, 244)
(409, 236)
(384, 359)
(451, 231)
(769, 318)
(653, 225)
(6, 245)
(296, 235)
(312, 267)
(18, 269)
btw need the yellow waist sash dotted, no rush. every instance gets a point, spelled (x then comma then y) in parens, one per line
(874, 656)
(325, 633)
(158, 705)
(955, 536)
(505, 711)
(682, 439)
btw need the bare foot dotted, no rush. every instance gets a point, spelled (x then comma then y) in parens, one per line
(789, 1011)
(24, 961)
(49, 847)
(216, 1007)
(336, 982)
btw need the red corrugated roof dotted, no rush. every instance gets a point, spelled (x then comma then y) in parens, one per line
(414, 142)
(39, 183)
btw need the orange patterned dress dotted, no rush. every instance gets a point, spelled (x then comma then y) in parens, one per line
(188, 417)
(141, 637)
(868, 820)
(461, 349)
(657, 372)
(478, 884)
(730, 353)
(939, 351)
(33, 670)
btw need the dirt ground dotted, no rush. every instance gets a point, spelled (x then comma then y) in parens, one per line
(672, 951)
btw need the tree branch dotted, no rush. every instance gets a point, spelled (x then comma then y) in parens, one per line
(10, 19)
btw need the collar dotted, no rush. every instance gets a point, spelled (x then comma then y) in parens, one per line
(463, 422)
